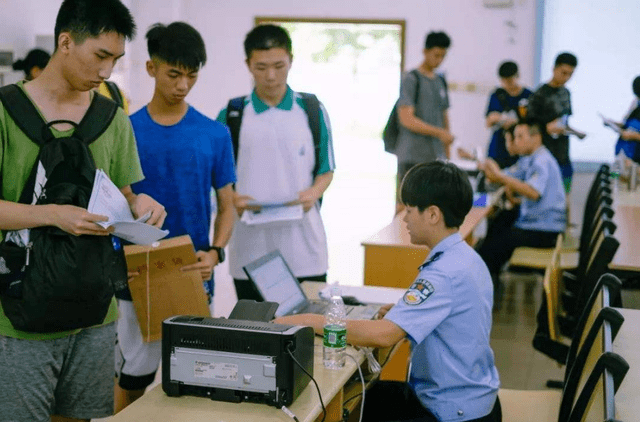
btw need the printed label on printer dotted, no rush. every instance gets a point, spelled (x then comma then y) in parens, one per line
(218, 371)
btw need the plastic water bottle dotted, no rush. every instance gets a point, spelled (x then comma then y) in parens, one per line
(335, 332)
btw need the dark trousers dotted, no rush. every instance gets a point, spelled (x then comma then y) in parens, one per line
(497, 247)
(246, 290)
(391, 401)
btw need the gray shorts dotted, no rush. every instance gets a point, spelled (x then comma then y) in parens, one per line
(70, 376)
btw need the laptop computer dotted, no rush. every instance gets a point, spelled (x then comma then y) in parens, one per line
(275, 282)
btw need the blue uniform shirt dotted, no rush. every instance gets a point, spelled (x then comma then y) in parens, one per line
(446, 314)
(541, 171)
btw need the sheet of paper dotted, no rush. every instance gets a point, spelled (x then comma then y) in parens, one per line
(106, 199)
(272, 214)
(610, 123)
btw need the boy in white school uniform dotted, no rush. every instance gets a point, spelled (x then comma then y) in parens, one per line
(284, 154)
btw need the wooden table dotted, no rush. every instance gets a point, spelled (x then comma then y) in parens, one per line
(624, 197)
(627, 257)
(156, 406)
(627, 345)
(391, 260)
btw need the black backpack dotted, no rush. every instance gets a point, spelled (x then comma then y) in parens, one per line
(391, 130)
(235, 109)
(50, 280)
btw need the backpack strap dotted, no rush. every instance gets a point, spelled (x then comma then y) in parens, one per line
(97, 119)
(115, 93)
(23, 113)
(312, 108)
(235, 108)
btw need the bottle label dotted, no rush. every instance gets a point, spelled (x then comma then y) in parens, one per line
(335, 336)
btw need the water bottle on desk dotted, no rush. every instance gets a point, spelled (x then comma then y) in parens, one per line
(335, 332)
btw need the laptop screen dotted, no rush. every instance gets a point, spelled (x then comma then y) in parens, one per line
(276, 283)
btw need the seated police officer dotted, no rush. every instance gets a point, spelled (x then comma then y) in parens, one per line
(446, 313)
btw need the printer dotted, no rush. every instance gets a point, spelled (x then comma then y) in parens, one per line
(235, 360)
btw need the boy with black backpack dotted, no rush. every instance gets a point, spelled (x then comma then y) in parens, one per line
(424, 134)
(57, 316)
(284, 154)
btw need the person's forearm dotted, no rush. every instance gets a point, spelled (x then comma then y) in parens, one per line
(414, 124)
(518, 186)
(493, 118)
(15, 216)
(223, 226)
(321, 183)
(364, 333)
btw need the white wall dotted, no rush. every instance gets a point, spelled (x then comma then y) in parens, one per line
(480, 41)
(604, 35)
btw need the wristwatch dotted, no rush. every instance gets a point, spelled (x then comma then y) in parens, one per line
(220, 251)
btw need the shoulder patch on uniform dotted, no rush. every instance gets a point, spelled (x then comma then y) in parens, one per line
(419, 291)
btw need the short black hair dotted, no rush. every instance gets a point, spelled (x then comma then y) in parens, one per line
(566, 58)
(36, 57)
(636, 86)
(507, 69)
(437, 39)
(266, 37)
(177, 44)
(535, 126)
(91, 18)
(441, 184)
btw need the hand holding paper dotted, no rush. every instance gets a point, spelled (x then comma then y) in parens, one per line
(106, 199)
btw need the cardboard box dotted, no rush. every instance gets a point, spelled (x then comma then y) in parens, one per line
(161, 290)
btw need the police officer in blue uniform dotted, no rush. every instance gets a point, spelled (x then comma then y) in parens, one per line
(446, 313)
(537, 178)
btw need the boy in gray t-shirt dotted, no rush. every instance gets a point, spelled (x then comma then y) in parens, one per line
(424, 124)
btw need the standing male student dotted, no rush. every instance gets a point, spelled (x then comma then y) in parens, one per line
(184, 155)
(284, 153)
(446, 313)
(422, 109)
(68, 374)
(507, 105)
(551, 106)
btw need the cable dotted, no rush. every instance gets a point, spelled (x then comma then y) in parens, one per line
(374, 366)
(364, 387)
(324, 409)
(289, 413)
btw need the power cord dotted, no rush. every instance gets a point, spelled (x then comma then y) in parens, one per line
(374, 366)
(289, 413)
(361, 380)
(324, 409)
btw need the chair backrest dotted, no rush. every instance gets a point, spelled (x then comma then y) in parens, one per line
(596, 402)
(601, 191)
(605, 293)
(604, 248)
(551, 284)
(603, 222)
(598, 340)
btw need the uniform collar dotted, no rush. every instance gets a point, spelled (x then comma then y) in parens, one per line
(441, 247)
(260, 106)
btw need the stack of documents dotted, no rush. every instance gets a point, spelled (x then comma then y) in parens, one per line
(106, 199)
(272, 213)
